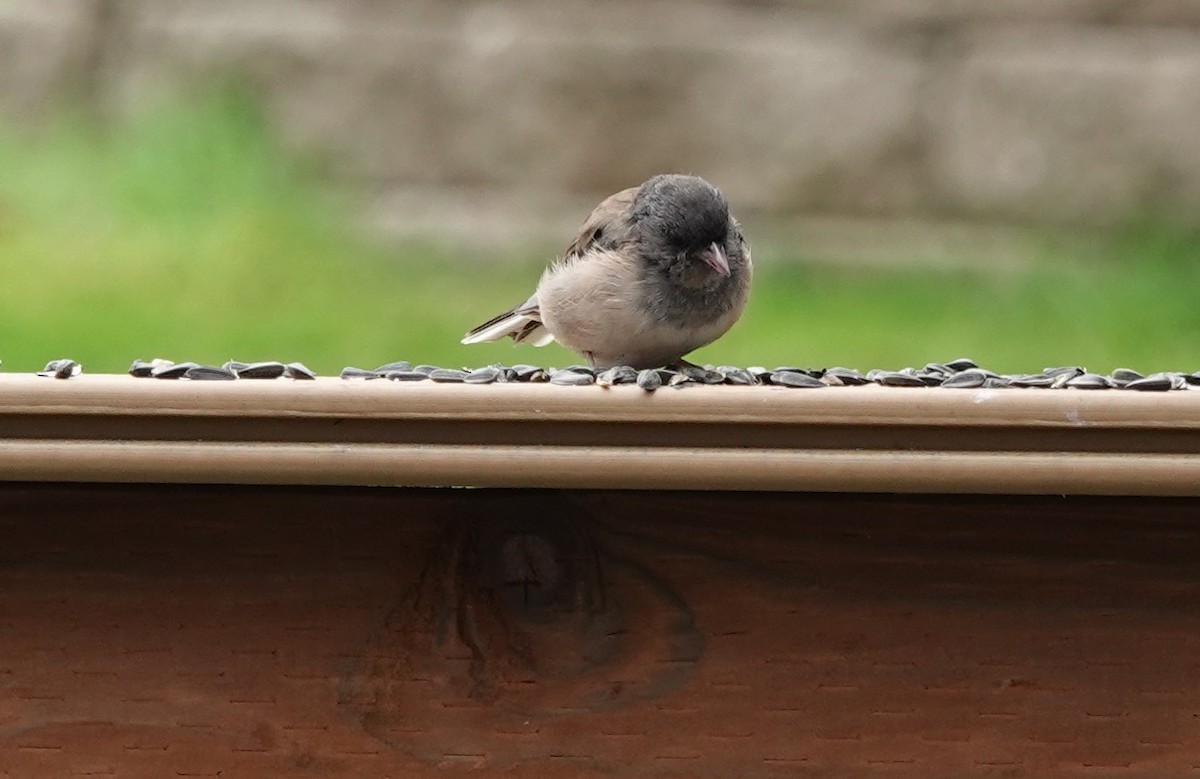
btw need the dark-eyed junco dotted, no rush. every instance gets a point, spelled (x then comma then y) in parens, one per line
(657, 271)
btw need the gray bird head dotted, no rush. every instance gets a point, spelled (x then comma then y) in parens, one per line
(683, 223)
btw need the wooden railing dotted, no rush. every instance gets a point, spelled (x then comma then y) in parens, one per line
(96, 428)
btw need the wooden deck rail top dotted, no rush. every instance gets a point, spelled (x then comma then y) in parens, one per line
(97, 428)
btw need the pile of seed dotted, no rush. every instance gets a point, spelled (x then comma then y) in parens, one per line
(165, 369)
(961, 374)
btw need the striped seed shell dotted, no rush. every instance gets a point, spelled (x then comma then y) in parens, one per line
(173, 371)
(899, 379)
(406, 376)
(141, 369)
(210, 373)
(399, 365)
(448, 375)
(1032, 380)
(260, 370)
(298, 370)
(617, 374)
(485, 375)
(1090, 381)
(1159, 383)
(649, 379)
(568, 377)
(787, 378)
(968, 379)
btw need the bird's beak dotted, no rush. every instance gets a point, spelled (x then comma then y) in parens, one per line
(714, 255)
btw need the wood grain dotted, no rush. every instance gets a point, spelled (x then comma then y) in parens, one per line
(151, 631)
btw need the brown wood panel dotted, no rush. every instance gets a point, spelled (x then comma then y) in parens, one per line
(214, 631)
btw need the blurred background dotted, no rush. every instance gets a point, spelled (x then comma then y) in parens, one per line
(349, 182)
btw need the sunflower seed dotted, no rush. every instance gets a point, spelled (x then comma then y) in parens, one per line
(234, 365)
(485, 375)
(399, 365)
(141, 369)
(426, 369)
(173, 370)
(1070, 371)
(522, 372)
(1032, 380)
(968, 379)
(260, 370)
(734, 375)
(938, 368)
(1178, 380)
(996, 382)
(795, 379)
(1157, 383)
(406, 376)
(572, 378)
(448, 375)
(209, 373)
(529, 373)
(300, 371)
(701, 375)
(847, 376)
(926, 378)
(649, 379)
(61, 369)
(899, 379)
(1123, 376)
(961, 364)
(358, 373)
(815, 373)
(1090, 381)
(759, 372)
(617, 374)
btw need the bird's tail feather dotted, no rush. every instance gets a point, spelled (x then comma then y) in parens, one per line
(520, 324)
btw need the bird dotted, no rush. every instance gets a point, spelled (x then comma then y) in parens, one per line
(657, 271)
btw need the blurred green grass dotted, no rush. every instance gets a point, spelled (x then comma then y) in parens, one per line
(188, 233)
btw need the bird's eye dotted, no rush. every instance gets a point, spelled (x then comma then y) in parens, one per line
(596, 235)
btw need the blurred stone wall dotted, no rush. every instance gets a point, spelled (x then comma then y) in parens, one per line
(1076, 112)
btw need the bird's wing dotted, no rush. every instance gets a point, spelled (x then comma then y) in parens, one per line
(524, 322)
(521, 323)
(611, 213)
